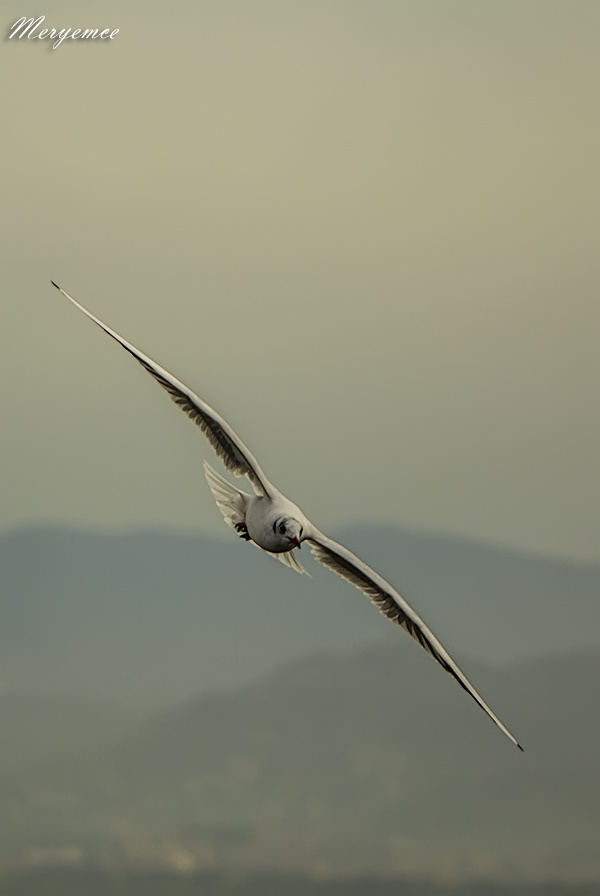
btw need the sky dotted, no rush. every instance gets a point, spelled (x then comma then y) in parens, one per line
(365, 232)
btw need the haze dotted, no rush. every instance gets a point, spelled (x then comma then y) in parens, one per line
(367, 233)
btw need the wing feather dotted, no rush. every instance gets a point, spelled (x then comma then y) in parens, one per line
(346, 564)
(226, 443)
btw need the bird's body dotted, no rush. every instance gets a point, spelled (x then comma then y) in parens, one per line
(274, 523)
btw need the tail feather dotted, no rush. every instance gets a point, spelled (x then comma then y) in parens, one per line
(230, 500)
(290, 559)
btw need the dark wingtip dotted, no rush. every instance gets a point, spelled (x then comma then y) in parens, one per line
(55, 284)
(520, 747)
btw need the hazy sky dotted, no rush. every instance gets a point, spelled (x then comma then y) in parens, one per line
(366, 232)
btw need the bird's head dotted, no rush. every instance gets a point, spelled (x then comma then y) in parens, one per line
(289, 531)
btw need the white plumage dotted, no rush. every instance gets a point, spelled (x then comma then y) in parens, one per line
(275, 524)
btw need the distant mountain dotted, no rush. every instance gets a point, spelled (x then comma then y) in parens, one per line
(369, 763)
(33, 729)
(153, 617)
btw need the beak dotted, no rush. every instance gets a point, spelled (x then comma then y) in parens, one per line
(295, 541)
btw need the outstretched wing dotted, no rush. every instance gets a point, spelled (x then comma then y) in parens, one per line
(392, 604)
(228, 446)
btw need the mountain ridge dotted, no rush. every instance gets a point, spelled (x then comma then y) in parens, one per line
(361, 763)
(155, 617)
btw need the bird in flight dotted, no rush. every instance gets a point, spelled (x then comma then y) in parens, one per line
(270, 520)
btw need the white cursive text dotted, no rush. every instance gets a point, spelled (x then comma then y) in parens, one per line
(28, 27)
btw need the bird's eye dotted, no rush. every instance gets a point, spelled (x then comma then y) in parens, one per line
(282, 528)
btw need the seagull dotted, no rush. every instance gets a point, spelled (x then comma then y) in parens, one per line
(272, 522)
